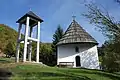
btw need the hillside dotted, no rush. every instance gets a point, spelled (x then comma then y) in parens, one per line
(8, 37)
(7, 34)
(33, 71)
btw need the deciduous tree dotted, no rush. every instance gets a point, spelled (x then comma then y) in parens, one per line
(10, 49)
(110, 29)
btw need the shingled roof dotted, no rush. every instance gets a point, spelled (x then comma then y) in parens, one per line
(76, 34)
(30, 14)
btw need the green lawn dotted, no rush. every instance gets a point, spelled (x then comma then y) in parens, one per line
(30, 71)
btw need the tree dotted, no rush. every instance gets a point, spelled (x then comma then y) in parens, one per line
(10, 49)
(111, 58)
(118, 1)
(46, 54)
(105, 23)
(110, 29)
(57, 35)
(56, 38)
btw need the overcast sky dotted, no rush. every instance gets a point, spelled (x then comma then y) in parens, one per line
(55, 12)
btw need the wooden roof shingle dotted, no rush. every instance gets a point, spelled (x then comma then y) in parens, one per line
(30, 14)
(76, 34)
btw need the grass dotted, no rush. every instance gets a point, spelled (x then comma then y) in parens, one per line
(32, 71)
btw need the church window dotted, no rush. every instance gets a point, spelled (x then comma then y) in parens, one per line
(76, 49)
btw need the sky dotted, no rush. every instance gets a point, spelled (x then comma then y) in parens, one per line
(55, 12)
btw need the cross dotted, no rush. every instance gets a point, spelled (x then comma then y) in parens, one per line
(30, 9)
(73, 17)
(30, 6)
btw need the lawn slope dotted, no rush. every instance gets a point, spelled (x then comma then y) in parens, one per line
(32, 71)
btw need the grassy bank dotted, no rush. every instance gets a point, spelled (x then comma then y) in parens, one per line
(32, 71)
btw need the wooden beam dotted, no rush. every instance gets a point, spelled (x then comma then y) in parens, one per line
(33, 39)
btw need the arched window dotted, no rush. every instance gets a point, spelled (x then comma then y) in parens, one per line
(77, 49)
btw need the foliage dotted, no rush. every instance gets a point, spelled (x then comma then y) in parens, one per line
(111, 58)
(118, 1)
(46, 54)
(10, 49)
(21, 50)
(47, 50)
(8, 38)
(110, 51)
(57, 36)
(7, 35)
(105, 23)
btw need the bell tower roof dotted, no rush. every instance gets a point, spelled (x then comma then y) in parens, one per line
(33, 18)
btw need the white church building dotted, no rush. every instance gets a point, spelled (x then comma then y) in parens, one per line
(77, 48)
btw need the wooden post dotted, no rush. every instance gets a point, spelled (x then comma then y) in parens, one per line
(18, 44)
(29, 51)
(26, 39)
(38, 37)
(30, 46)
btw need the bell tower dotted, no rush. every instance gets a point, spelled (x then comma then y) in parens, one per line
(30, 20)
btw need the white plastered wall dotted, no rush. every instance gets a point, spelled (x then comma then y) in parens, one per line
(88, 55)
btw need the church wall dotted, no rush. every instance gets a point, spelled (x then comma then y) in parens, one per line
(69, 49)
(87, 52)
(89, 58)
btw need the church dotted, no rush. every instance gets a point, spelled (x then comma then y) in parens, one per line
(77, 48)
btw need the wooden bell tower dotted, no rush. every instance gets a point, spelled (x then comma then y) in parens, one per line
(29, 20)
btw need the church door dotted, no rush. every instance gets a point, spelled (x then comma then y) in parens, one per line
(77, 58)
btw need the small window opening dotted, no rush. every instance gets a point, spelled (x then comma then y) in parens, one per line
(76, 49)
